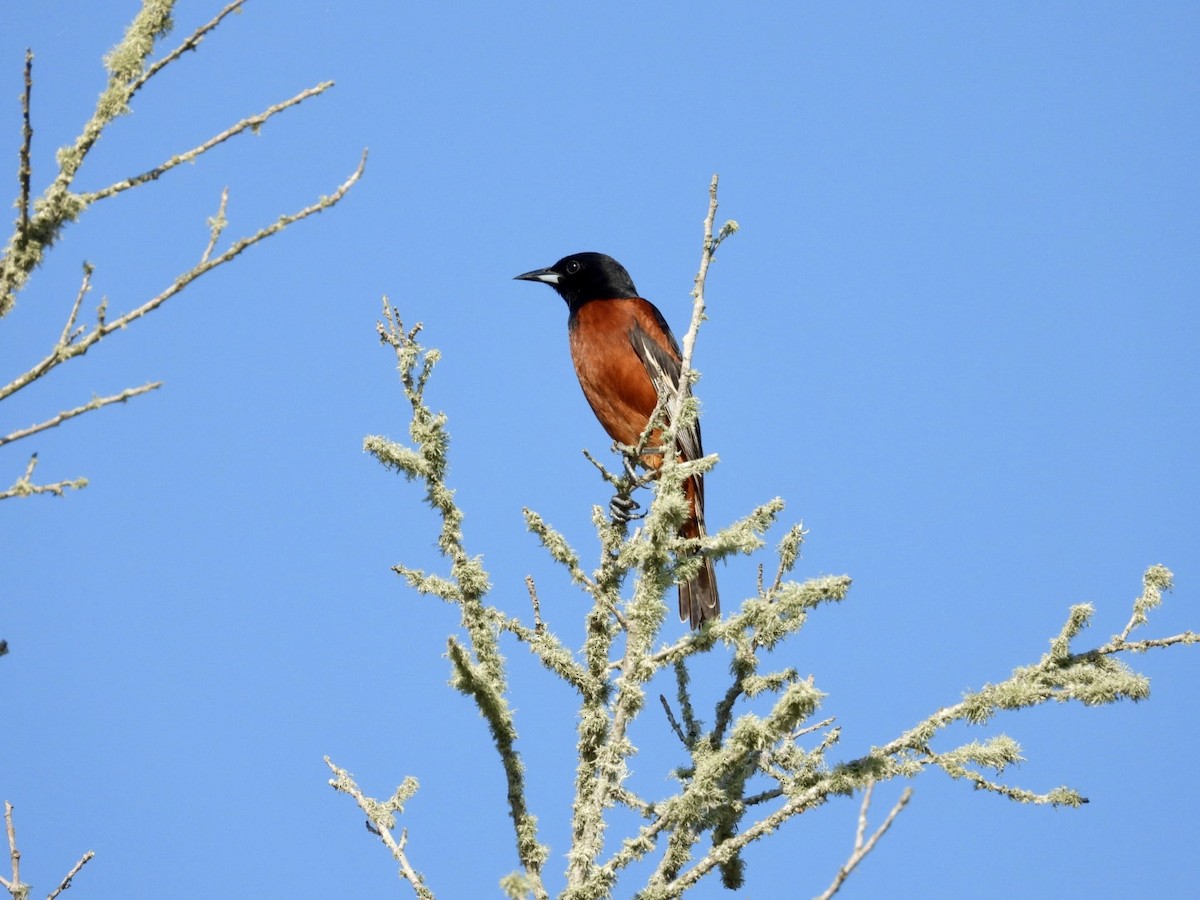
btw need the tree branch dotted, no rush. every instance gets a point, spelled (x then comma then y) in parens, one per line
(192, 43)
(381, 819)
(64, 351)
(14, 887)
(250, 123)
(24, 486)
(752, 758)
(58, 205)
(861, 848)
(25, 168)
(94, 404)
(18, 889)
(66, 882)
(478, 668)
(216, 225)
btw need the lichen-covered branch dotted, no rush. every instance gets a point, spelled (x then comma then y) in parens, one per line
(58, 206)
(763, 756)
(381, 820)
(653, 555)
(39, 224)
(24, 486)
(477, 667)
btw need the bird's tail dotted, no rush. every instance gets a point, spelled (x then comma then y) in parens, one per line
(698, 598)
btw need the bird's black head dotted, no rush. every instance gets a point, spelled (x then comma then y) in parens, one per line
(581, 277)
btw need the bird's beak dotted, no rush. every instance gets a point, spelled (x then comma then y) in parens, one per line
(549, 276)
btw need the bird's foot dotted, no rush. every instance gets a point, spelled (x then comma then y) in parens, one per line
(631, 468)
(622, 509)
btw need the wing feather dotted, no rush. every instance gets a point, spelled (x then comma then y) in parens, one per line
(663, 366)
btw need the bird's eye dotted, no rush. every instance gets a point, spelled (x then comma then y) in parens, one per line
(574, 266)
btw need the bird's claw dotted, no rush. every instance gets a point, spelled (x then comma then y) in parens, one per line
(630, 468)
(630, 461)
(622, 509)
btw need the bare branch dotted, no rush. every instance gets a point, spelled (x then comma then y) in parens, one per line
(61, 353)
(861, 848)
(18, 889)
(711, 243)
(25, 169)
(249, 123)
(128, 72)
(68, 336)
(14, 886)
(192, 42)
(93, 404)
(215, 226)
(66, 882)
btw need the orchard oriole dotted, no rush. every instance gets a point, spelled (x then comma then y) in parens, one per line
(624, 354)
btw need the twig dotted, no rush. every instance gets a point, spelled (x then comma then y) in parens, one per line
(677, 650)
(236, 249)
(62, 353)
(675, 726)
(215, 226)
(66, 882)
(824, 723)
(93, 404)
(24, 486)
(538, 624)
(409, 872)
(128, 72)
(604, 473)
(25, 169)
(381, 820)
(14, 887)
(634, 802)
(68, 336)
(861, 848)
(58, 205)
(192, 42)
(1155, 580)
(725, 851)
(249, 123)
(1185, 637)
(711, 243)
(477, 665)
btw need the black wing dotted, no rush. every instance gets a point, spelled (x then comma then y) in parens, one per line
(664, 370)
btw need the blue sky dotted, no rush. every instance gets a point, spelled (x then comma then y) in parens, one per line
(957, 333)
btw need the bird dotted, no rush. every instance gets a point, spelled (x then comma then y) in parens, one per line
(625, 354)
